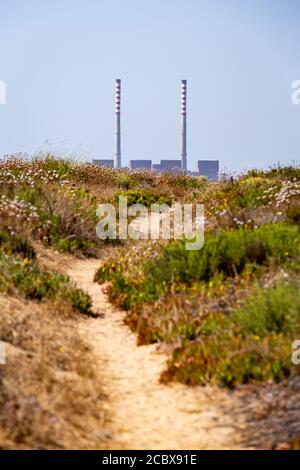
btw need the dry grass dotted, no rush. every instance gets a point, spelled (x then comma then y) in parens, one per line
(50, 390)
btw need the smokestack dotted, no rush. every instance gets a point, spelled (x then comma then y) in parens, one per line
(183, 126)
(117, 155)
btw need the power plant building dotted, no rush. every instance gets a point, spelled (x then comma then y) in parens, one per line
(170, 165)
(209, 168)
(156, 167)
(141, 164)
(104, 162)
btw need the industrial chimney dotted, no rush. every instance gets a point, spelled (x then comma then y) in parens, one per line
(117, 155)
(183, 126)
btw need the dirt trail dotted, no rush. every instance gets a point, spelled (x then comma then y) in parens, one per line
(144, 413)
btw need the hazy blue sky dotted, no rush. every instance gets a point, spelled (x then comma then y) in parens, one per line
(59, 59)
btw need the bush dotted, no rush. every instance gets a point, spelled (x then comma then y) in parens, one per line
(282, 172)
(144, 196)
(225, 254)
(250, 345)
(38, 201)
(215, 339)
(248, 192)
(16, 244)
(26, 278)
(293, 214)
(275, 310)
(228, 253)
(125, 181)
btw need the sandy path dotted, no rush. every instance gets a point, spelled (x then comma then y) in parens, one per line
(145, 414)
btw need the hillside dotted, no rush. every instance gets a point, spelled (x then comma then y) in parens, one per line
(214, 326)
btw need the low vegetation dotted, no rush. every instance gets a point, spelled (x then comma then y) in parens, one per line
(54, 200)
(230, 311)
(51, 393)
(227, 314)
(50, 375)
(20, 275)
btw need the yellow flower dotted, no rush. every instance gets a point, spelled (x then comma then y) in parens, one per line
(26, 261)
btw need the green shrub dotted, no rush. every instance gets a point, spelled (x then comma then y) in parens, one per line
(73, 245)
(275, 310)
(228, 253)
(26, 278)
(293, 214)
(79, 299)
(282, 172)
(4, 237)
(248, 192)
(125, 181)
(144, 196)
(61, 216)
(252, 344)
(16, 244)
(49, 162)
(189, 182)
(225, 254)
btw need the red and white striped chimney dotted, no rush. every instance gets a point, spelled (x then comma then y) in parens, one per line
(117, 155)
(183, 154)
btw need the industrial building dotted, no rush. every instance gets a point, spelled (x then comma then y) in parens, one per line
(140, 164)
(209, 168)
(156, 167)
(104, 162)
(170, 165)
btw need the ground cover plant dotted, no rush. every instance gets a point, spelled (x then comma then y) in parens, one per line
(226, 314)
(229, 312)
(54, 200)
(19, 274)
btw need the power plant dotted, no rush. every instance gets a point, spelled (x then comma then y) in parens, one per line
(207, 168)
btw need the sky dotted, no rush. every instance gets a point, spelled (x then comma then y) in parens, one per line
(59, 60)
